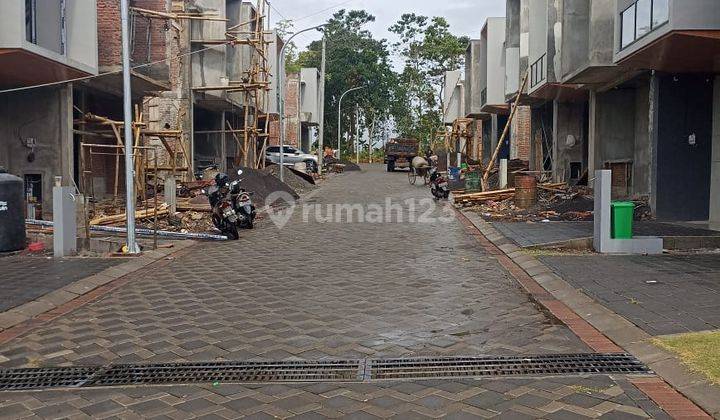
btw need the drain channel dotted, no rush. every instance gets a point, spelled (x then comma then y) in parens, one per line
(319, 371)
(447, 367)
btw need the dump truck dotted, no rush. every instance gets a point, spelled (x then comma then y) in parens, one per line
(400, 152)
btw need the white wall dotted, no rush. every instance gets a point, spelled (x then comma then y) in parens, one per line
(495, 67)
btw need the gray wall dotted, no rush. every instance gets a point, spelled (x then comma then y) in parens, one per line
(642, 158)
(310, 95)
(453, 97)
(80, 30)
(45, 115)
(568, 121)
(209, 66)
(576, 35)
(474, 73)
(495, 72)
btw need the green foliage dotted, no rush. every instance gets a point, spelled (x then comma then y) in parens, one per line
(429, 50)
(284, 29)
(353, 58)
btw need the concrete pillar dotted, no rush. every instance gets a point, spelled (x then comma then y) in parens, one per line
(555, 167)
(64, 220)
(715, 168)
(67, 147)
(494, 135)
(503, 173)
(653, 136)
(592, 132)
(223, 144)
(170, 194)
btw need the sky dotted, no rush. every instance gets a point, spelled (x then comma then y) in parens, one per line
(466, 17)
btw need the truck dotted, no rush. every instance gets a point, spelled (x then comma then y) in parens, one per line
(400, 152)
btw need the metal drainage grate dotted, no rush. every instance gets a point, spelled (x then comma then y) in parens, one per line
(446, 367)
(58, 377)
(230, 372)
(318, 371)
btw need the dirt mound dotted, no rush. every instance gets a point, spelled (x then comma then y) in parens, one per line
(293, 178)
(350, 166)
(262, 185)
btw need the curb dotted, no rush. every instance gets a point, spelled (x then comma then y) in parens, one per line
(16, 321)
(597, 326)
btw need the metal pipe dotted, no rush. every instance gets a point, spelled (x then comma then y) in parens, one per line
(280, 70)
(340, 113)
(140, 231)
(132, 247)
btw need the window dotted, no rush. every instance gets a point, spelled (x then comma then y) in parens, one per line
(660, 12)
(537, 72)
(628, 26)
(641, 18)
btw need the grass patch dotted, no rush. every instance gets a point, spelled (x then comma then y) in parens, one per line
(699, 351)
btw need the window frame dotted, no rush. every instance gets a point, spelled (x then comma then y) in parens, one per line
(653, 24)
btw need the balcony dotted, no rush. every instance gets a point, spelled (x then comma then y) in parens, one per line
(47, 41)
(677, 36)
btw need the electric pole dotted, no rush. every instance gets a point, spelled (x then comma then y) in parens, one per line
(321, 130)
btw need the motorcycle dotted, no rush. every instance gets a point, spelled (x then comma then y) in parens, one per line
(232, 208)
(438, 184)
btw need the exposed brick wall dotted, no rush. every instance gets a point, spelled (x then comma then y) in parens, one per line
(521, 134)
(110, 35)
(292, 87)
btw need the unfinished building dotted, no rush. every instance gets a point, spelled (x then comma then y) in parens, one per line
(627, 85)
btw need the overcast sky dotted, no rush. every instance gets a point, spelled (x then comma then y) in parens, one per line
(466, 17)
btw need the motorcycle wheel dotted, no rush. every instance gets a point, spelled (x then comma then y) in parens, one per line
(232, 233)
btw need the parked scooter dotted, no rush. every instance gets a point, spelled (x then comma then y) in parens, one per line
(438, 183)
(232, 208)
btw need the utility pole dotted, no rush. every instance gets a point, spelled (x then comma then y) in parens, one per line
(132, 246)
(340, 114)
(321, 130)
(280, 92)
(357, 134)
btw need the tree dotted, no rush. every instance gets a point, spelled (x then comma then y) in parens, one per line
(284, 30)
(429, 50)
(354, 58)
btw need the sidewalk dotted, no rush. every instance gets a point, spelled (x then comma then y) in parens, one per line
(599, 289)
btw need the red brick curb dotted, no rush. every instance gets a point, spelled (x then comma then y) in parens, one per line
(674, 403)
(586, 332)
(86, 298)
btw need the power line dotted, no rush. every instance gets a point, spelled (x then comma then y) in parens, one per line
(94, 76)
(323, 10)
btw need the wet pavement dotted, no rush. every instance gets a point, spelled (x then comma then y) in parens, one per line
(661, 294)
(322, 290)
(26, 278)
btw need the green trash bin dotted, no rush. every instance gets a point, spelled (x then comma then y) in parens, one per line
(622, 219)
(472, 181)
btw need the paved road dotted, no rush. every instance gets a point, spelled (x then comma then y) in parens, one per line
(321, 290)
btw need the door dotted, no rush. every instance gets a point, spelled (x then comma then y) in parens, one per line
(684, 147)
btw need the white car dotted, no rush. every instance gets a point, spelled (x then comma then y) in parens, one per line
(291, 156)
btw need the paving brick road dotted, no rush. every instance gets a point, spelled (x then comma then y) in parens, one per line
(313, 291)
(25, 278)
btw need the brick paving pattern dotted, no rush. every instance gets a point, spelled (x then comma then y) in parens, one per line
(531, 234)
(550, 398)
(646, 290)
(25, 278)
(313, 291)
(309, 291)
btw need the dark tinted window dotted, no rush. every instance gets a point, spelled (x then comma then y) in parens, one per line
(273, 149)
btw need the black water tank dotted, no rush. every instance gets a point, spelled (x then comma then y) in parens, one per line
(12, 213)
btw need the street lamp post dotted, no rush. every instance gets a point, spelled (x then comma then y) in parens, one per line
(280, 70)
(340, 112)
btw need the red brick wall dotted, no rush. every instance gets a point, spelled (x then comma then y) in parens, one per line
(110, 38)
(522, 134)
(292, 84)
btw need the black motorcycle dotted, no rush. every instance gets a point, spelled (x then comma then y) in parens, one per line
(438, 184)
(232, 208)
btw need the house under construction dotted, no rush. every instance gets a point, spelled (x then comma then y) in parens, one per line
(202, 83)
